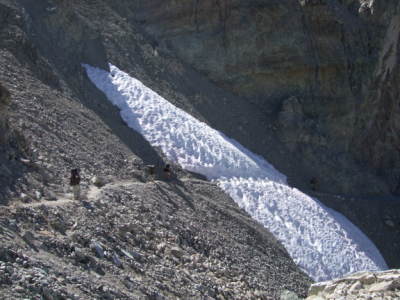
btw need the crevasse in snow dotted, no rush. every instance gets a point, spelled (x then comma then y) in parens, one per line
(321, 241)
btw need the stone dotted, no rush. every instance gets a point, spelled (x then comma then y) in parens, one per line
(368, 279)
(133, 255)
(50, 195)
(116, 260)
(38, 195)
(19, 289)
(97, 181)
(394, 276)
(317, 288)
(288, 295)
(355, 287)
(390, 223)
(58, 225)
(381, 286)
(161, 247)
(29, 236)
(98, 249)
(364, 285)
(176, 251)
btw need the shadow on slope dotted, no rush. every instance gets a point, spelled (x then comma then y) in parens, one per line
(80, 43)
(94, 100)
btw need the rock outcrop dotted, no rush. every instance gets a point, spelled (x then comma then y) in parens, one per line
(366, 285)
(378, 123)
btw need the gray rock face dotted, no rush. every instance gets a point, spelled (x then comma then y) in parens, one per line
(378, 124)
(331, 55)
(376, 285)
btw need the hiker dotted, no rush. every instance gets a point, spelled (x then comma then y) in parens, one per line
(167, 171)
(75, 180)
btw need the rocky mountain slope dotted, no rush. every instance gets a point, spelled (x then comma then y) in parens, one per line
(56, 120)
(141, 240)
(134, 238)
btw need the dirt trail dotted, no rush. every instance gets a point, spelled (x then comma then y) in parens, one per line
(62, 199)
(52, 203)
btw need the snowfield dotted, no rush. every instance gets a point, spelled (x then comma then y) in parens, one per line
(321, 241)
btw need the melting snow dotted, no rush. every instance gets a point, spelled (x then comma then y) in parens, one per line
(321, 241)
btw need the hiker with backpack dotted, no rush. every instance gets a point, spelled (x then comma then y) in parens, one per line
(75, 181)
(167, 171)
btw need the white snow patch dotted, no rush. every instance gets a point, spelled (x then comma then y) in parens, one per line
(321, 241)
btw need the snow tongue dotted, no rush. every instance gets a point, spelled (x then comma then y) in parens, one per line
(321, 241)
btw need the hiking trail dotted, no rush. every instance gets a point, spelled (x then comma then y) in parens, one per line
(90, 195)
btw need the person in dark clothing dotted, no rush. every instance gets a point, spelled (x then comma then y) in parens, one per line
(167, 171)
(75, 181)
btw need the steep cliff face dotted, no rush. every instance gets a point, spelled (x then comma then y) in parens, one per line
(379, 121)
(323, 53)
(257, 49)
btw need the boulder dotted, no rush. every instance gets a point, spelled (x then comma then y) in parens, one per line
(365, 285)
(97, 249)
(288, 295)
(116, 260)
(98, 181)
